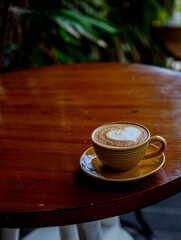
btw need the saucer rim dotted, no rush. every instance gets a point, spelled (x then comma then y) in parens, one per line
(100, 177)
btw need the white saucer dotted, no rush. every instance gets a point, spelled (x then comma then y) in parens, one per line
(93, 167)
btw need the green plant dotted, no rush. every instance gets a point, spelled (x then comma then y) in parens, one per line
(136, 20)
(83, 31)
(72, 32)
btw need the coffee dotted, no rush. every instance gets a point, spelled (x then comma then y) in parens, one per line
(120, 134)
(122, 145)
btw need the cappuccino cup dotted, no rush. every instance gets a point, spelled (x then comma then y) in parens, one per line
(122, 145)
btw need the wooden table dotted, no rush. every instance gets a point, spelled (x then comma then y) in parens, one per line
(47, 116)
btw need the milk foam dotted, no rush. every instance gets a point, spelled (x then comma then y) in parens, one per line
(129, 133)
(120, 134)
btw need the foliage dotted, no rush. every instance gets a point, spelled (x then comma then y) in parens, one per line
(136, 20)
(83, 31)
(64, 32)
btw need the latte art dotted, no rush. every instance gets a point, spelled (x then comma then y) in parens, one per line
(120, 135)
(129, 133)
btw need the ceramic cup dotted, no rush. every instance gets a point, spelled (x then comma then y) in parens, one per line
(122, 145)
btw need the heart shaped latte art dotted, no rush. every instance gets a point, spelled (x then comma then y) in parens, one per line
(129, 133)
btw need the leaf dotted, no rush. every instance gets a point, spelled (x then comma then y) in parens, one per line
(91, 10)
(67, 26)
(90, 21)
(77, 30)
(61, 57)
(68, 38)
(25, 11)
(89, 35)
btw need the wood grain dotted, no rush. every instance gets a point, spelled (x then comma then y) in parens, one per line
(46, 119)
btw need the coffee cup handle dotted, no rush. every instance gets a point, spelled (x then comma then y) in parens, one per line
(159, 150)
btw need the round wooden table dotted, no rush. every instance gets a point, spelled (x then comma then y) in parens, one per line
(47, 116)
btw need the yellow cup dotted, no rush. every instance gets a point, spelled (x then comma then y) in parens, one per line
(125, 158)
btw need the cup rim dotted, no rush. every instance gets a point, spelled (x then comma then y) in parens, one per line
(120, 148)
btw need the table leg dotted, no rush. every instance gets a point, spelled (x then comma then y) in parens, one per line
(103, 230)
(111, 228)
(90, 231)
(9, 234)
(69, 232)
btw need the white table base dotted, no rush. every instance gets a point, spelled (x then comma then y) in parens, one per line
(103, 230)
(9, 234)
(97, 230)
